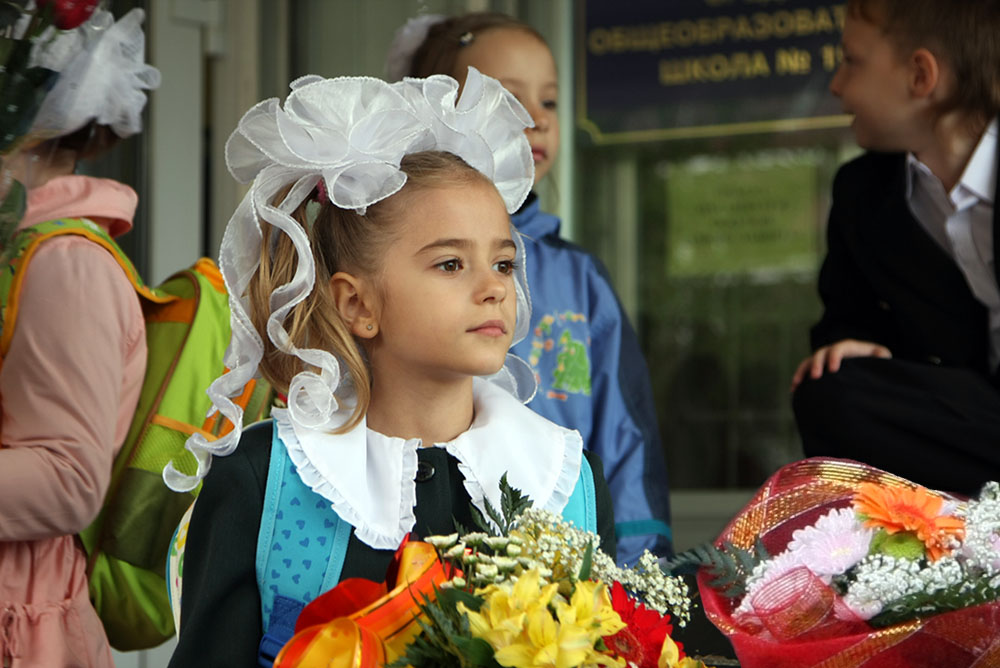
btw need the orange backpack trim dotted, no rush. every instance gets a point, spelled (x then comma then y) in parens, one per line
(14, 300)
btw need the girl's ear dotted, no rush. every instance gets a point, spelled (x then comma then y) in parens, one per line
(355, 300)
(925, 73)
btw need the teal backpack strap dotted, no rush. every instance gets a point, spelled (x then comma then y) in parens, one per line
(581, 509)
(301, 547)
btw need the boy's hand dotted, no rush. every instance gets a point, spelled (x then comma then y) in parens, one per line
(830, 357)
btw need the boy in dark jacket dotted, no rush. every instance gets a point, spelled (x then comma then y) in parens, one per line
(904, 370)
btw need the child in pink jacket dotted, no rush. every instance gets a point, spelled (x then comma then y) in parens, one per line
(71, 377)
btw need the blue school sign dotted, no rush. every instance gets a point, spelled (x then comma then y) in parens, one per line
(661, 69)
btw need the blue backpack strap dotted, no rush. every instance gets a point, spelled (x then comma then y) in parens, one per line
(581, 509)
(301, 549)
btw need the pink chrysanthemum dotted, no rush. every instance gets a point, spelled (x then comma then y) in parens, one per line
(831, 546)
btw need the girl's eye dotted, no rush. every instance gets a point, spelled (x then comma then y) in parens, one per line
(551, 105)
(449, 265)
(506, 267)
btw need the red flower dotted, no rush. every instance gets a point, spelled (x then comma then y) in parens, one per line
(641, 641)
(68, 14)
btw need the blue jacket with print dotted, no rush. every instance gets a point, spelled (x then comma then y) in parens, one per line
(592, 377)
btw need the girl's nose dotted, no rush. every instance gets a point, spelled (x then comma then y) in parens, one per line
(492, 287)
(539, 116)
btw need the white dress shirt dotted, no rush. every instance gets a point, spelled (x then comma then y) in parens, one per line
(961, 222)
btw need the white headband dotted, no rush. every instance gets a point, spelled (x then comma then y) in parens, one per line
(102, 76)
(351, 132)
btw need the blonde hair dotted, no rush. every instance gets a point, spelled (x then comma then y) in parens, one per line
(341, 240)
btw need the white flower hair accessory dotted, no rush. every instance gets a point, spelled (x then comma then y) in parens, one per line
(352, 133)
(102, 76)
(408, 38)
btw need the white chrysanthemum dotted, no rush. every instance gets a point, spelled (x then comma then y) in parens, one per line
(834, 544)
(442, 542)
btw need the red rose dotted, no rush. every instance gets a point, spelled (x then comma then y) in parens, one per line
(68, 14)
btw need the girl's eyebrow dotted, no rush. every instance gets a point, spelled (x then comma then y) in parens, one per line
(514, 81)
(446, 243)
(464, 244)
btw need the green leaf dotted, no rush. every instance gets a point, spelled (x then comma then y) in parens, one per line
(11, 211)
(496, 517)
(728, 566)
(476, 651)
(22, 95)
(512, 501)
(586, 562)
(480, 521)
(460, 528)
(512, 504)
(451, 597)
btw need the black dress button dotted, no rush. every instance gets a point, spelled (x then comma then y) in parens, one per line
(425, 471)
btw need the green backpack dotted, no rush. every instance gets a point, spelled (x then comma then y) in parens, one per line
(127, 544)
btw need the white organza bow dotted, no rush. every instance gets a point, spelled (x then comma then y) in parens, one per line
(351, 132)
(102, 75)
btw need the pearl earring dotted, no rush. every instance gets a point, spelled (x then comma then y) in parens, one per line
(369, 327)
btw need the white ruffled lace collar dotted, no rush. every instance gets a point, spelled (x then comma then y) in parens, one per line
(369, 477)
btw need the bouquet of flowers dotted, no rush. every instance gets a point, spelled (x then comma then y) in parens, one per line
(527, 589)
(835, 563)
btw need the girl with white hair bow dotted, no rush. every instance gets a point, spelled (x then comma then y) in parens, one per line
(376, 280)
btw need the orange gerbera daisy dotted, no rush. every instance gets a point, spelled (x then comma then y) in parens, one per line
(916, 510)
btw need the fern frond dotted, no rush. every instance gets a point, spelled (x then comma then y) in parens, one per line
(727, 566)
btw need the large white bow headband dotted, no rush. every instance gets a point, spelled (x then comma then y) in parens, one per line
(103, 76)
(351, 132)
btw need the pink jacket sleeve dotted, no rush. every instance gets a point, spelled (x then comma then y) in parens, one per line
(68, 387)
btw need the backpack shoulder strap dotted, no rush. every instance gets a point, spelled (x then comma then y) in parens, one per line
(581, 509)
(26, 243)
(301, 549)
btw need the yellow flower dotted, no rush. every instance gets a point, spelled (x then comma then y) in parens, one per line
(590, 608)
(501, 619)
(670, 657)
(518, 622)
(688, 662)
(547, 644)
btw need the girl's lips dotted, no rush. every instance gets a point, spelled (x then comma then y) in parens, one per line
(539, 154)
(492, 328)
